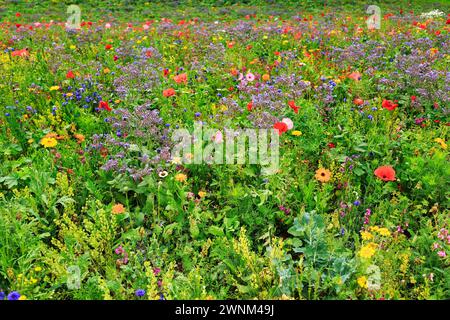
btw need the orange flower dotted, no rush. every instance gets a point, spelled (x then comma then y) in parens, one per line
(266, 77)
(118, 208)
(181, 78)
(180, 177)
(385, 173)
(79, 137)
(169, 92)
(323, 175)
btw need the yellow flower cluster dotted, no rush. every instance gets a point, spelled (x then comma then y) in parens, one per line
(381, 231)
(368, 250)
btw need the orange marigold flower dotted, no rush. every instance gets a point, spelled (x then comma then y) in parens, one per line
(323, 175)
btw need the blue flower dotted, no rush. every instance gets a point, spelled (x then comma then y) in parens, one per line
(357, 203)
(2, 295)
(14, 295)
(140, 293)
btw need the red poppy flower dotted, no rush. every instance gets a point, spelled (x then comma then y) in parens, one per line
(385, 173)
(293, 106)
(104, 105)
(180, 78)
(413, 98)
(250, 106)
(331, 145)
(358, 101)
(388, 104)
(20, 53)
(108, 47)
(281, 127)
(169, 92)
(166, 72)
(70, 75)
(18, 14)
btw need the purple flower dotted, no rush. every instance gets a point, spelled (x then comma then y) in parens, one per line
(14, 295)
(140, 292)
(2, 295)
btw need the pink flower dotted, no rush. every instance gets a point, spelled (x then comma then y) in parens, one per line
(217, 137)
(250, 77)
(442, 254)
(288, 122)
(146, 27)
(108, 25)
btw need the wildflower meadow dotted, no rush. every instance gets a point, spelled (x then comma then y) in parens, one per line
(216, 150)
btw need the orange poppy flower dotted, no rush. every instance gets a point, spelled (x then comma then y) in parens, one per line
(385, 173)
(169, 92)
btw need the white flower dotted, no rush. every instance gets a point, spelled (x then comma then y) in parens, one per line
(432, 14)
(163, 174)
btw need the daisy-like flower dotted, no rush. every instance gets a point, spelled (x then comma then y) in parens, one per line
(296, 133)
(368, 250)
(49, 142)
(180, 177)
(323, 175)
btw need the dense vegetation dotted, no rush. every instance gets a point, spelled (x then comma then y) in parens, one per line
(93, 205)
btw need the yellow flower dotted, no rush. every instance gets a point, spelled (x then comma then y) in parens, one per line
(69, 94)
(368, 250)
(106, 70)
(366, 235)
(202, 194)
(72, 47)
(441, 142)
(49, 142)
(53, 88)
(38, 269)
(323, 175)
(23, 297)
(296, 133)
(362, 282)
(384, 232)
(181, 177)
